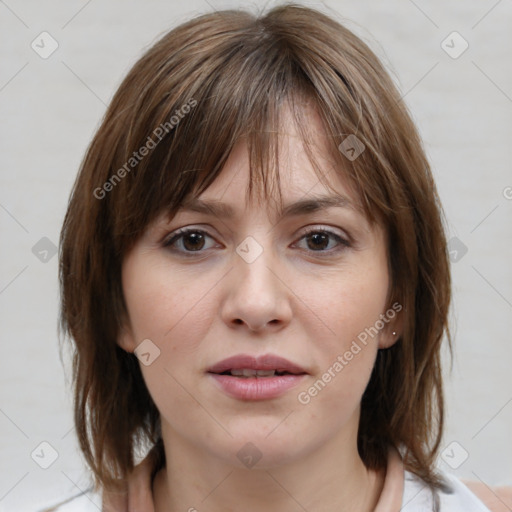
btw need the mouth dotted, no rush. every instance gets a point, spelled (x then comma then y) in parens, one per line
(248, 367)
(245, 377)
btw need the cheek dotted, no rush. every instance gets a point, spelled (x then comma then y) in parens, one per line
(170, 308)
(345, 306)
(172, 311)
(350, 314)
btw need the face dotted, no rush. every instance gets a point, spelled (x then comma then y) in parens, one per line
(309, 287)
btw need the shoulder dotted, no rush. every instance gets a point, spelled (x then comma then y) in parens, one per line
(87, 501)
(454, 497)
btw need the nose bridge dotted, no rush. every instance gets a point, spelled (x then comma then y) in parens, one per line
(255, 272)
(256, 295)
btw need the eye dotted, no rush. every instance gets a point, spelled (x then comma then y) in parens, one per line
(188, 240)
(320, 240)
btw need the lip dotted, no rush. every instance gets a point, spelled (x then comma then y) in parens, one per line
(256, 388)
(263, 362)
(264, 388)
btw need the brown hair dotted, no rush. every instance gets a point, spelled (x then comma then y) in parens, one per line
(201, 88)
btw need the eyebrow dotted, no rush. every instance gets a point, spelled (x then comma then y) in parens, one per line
(301, 207)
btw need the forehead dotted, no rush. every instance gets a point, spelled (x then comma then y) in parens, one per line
(307, 176)
(302, 192)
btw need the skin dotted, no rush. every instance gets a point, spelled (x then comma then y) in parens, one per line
(304, 299)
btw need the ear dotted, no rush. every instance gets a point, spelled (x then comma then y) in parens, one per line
(125, 338)
(393, 329)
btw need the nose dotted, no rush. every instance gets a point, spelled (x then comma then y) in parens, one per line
(257, 296)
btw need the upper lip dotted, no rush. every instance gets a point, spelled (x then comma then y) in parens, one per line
(263, 362)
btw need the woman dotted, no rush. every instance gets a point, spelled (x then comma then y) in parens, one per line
(255, 278)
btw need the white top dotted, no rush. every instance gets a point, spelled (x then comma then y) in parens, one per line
(417, 497)
(403, 491)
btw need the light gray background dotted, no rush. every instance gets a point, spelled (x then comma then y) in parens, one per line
(50, 108)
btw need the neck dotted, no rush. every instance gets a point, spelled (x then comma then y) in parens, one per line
(330, 478)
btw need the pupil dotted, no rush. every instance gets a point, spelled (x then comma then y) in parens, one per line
(319, 237)
(195, 237)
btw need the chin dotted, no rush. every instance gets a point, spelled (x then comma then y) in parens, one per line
(259, 445)
(264, 453)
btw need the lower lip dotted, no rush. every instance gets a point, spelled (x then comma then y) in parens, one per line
(256, 388)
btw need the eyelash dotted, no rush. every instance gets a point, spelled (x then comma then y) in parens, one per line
(181, 233)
